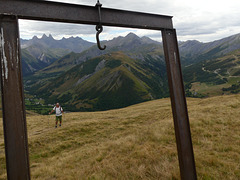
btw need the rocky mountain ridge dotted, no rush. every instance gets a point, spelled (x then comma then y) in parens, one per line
(41, 52)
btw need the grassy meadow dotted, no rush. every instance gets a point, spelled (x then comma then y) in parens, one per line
(136, 142)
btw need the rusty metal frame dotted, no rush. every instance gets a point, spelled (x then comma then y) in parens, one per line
(14, 118)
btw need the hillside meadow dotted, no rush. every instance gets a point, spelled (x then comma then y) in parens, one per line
(136, 142)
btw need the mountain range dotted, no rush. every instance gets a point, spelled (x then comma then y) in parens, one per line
(193, 51)
(132, 45)
(38, 53)
(131, 70)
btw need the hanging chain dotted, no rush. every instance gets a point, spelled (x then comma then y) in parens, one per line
(99, 27)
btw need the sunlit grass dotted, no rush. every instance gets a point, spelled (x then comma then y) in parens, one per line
(136, 142)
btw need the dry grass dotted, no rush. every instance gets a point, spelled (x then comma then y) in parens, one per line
(210, 90)
(137, 142)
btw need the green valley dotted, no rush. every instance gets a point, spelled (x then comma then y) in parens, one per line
(105, 82)
(214, 76)
(131, 70)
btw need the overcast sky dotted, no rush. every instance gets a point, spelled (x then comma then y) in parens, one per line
(203, 20)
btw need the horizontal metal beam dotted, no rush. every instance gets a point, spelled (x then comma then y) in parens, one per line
(72, 13)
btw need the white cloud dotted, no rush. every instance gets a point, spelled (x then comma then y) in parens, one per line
(204, 20)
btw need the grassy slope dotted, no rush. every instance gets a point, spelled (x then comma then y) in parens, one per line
(135, 143)
(63, 64)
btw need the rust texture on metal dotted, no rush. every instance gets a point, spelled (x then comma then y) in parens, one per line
(14, 119)
(179, 106)
(15, 131)
(69, 13)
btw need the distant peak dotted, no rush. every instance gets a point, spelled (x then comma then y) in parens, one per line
(148, 40)
(193, 42)
(78, 37)
(44, 36)
(131, 35)
(196, 41)
(72, 37)
(145, 38)
(35, 38)
(50, 36)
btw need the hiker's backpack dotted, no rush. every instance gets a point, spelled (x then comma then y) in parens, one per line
(59, 107)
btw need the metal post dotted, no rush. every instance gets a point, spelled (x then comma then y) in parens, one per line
(15, 133)
(14, 118)
(179, 106)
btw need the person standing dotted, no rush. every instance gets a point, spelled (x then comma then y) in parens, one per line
(58, 110)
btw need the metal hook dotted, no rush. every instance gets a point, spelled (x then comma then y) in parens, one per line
(99, 27)
(99, 30)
